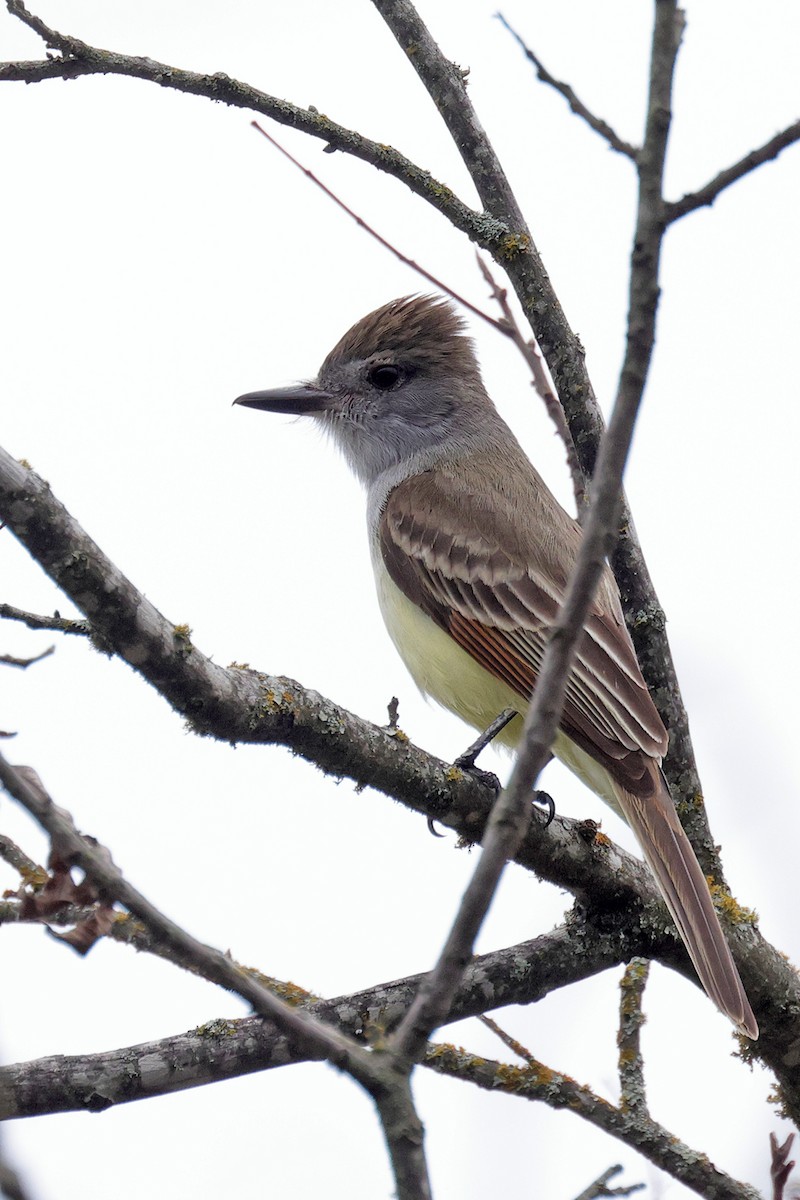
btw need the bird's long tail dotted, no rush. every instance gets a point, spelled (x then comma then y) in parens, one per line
(682, 884)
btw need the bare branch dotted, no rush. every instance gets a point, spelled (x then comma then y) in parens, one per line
(100, 869)
(675, 209)
(79, 59)
(633, 1097)
(513, 1044)
(35, 621)
(541, 382)
(228, 1049)
(373, 233)
(10, 660)
(578, 107)
(538, 1082)
(378, 1072)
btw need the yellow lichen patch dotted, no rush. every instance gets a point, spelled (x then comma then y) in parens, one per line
(513, 244)
(35, 877)
(216, 1028)
(736, 913)
(519, 1079)
(236, 666)
(292, 993)
(453, 774)
(272, 701)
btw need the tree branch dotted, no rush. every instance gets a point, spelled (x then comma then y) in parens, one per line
(79, 58)
(34, 621)
(539, 1082)
(577, 106)
(224, 1049)
(378, 1072)
(97, 864)
(675, 209)
(247, 706)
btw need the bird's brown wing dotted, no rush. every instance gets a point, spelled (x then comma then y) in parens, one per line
(484, 583)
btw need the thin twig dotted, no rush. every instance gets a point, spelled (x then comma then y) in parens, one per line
(34, 621)
(373, 233)
(578, 107)
(515, 1046)
(10, 660)
(675, 209)
(541, 382)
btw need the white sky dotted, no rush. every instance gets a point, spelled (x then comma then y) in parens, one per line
(159, 259)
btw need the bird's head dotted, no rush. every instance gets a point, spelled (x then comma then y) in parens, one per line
(396, 387)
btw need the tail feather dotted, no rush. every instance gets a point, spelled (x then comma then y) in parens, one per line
(682, 884)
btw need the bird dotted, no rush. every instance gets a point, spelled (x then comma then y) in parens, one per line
(471, 554)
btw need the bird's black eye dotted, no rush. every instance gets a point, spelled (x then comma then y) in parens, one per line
(384, 377)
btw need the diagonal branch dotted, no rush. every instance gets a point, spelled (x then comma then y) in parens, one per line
(377, 1072)
(226, 1049)
(79, 58)
(538, 1082)
(606, 131)
(216, 967)
(675, 209)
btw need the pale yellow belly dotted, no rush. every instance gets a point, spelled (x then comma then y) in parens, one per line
(444, 671)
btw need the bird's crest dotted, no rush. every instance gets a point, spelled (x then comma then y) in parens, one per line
(419, 330)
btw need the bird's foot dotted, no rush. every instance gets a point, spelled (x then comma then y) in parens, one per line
(466, 761)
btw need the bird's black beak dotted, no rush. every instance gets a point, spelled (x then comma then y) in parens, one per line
(301, 399)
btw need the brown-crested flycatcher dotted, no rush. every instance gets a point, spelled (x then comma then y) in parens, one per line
(471, 554)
